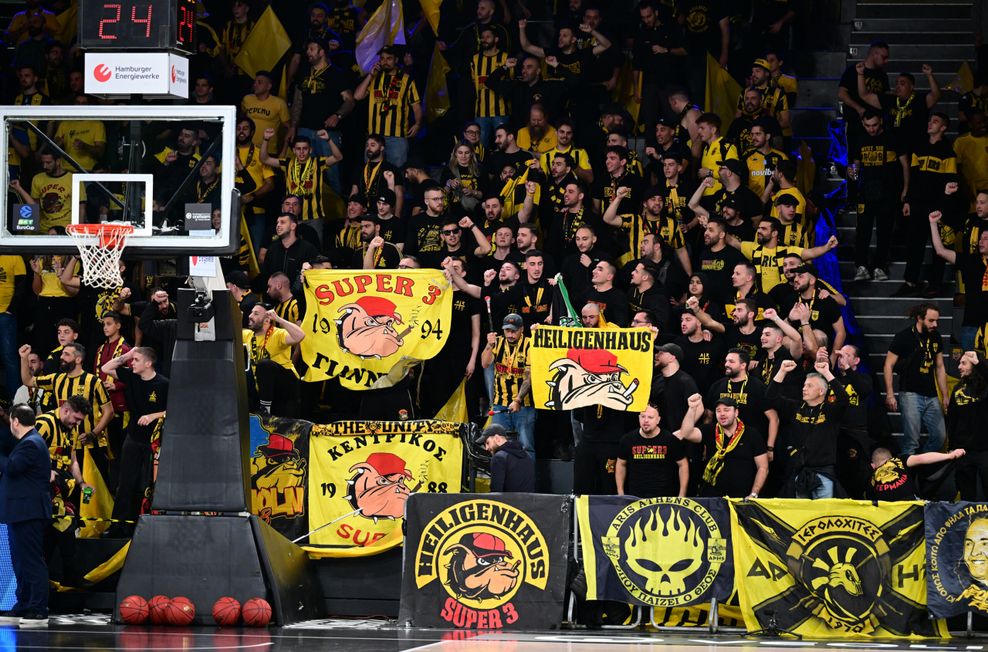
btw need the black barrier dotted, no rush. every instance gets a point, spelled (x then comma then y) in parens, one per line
(491, 562)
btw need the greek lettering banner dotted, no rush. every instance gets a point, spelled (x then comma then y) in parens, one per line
(658, 552)
(957, 555)
(580, 367)
(353, 477)
(497, 562)
(832, 568)
(368, 327)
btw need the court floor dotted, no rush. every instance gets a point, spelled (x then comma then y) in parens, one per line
(95, 633)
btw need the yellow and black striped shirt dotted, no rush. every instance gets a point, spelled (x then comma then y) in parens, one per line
(509, 371)
(666, 228)
(234, 36)
(768, 262)
(489, 104)
(391, 99)
(307, 180)
(59, 439)
(581, 160)
(87, 385)
(288, 310)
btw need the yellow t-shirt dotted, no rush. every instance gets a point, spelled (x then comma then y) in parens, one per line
(10, 267)
(718, 150)
(274, 347)
(51, 286)
(55, 196)
(972, 160)
(271, 113)
(89, 132)
(800, 208)
(543, 145)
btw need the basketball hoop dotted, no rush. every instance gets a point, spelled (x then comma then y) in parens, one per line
(100, 247)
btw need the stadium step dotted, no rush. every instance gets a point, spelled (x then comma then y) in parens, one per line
(914, 9)
(879, 26)
(897, 39)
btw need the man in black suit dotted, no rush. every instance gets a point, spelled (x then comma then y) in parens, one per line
(25, 507)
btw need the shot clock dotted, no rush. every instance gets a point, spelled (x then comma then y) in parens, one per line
(137, 24)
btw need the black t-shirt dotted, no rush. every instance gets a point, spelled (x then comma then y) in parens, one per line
(735, 339)
(932, 166)
(670, 395)
(876, 81)
(457, 345)
(423, 235)
(322, 94)
(973, 269)
(702, 360)
(916, 365)
(857, 387)
(652, 464)
(880, 174)
(701, 20)
(613, 305)
(738, 475)
(823, 313)
(656, 68)
(750, 397)
(894, 481)
(906, 119)
(719, 266)
(749, 204)
(143, 397)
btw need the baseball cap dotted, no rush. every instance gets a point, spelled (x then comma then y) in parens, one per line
(673, 349)
(761, 63)
(656, 191)
(726, 400)
(734, 165)
(238, 279)
(387, 196)
(513, 322)
(666, 122)
(485, 545)
(494, 429)
(786, 200)
(370, 217)
(807, 268)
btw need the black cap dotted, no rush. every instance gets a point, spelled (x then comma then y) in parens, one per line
(807, 268)
(786, 199)
(358, 198)
(734, 165)
(370, 217)
(389, 49)
(239, 279)
(494, 429)
(726, 400)
(671, 348)
(656, 191)
(666, 122)
(387, 196)
(731, 202)
(513, 322)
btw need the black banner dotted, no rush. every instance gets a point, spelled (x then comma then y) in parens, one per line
(485, 563)
(659, 552)
(957, 558)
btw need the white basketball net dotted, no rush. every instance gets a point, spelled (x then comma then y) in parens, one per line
(100, 248)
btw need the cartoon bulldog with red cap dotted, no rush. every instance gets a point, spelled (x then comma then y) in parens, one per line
(366, 328)
(478, 568)
(589, 377)
(279, 464)
(378, 488)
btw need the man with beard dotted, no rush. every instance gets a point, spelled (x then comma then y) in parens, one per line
(512, 467)
(651, 461)
(666, 145)
(876, 80)
(579, 161)
(455, 246)
(702, 354)
(268, 340)
(206, 189)
(147, 398)
(289, 252)
(737, 458)
(537, 136)
(506, 151)
(254, 179)
(560, 228)
(761, 159)
(393, 95)
(424, 230)
(750, 395)
(854, 442)
(511, 401)
(773, 101)
(378, 176)
(824, 313)
(973, 268)
(653, 219)
(346, 232)
(767, 255)
(616, 160)
(528, 87)
(740, 332)
(612, 302)
(646, 293)
(814, 422)
(717, 260)
(577, 268)
(554, 188)
(72, 380)
(280, 295)
(266, 110)
(750, 110)
(534, 294)
(490, 109)
(171, 166)
(671, 386)
(909, 111)
(376, 253)
(305, 173)
(743, 281)
(669, 275)
(732, 177)
(52, 190)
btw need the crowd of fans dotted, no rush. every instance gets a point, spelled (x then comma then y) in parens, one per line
(670, 220)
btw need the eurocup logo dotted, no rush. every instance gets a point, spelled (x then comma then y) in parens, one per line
(26, 211)
(102, 73)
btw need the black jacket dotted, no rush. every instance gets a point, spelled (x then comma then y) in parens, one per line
(512, 469)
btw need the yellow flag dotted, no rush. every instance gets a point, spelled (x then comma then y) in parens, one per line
(805, 169)
(67, 22)
(265, 45)
(100, 506)
(430, 9)
(455, 409)
(963, 81)
(626, 89)
(722, 93)
(436, 93)
(386, 26)
(581, 367)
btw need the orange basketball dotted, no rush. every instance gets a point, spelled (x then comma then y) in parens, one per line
(257, 612)
(134, 610)
(159, 607)
(226, 611)
(181, 611)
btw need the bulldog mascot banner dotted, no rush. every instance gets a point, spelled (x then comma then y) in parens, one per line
(367, 328)
(492, 562)
(345, 485)
(581, 367)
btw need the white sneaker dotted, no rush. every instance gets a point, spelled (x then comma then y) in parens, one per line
(9, 618)
(879, 274)
(33, 622)
(862, 274)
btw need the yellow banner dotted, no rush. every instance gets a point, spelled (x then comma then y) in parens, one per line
(265, 45)
(580, 367)
(366, 328)
(362, 472)
(832, 568)
(722, 92)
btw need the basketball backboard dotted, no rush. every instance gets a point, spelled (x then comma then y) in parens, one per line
(166, 170)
